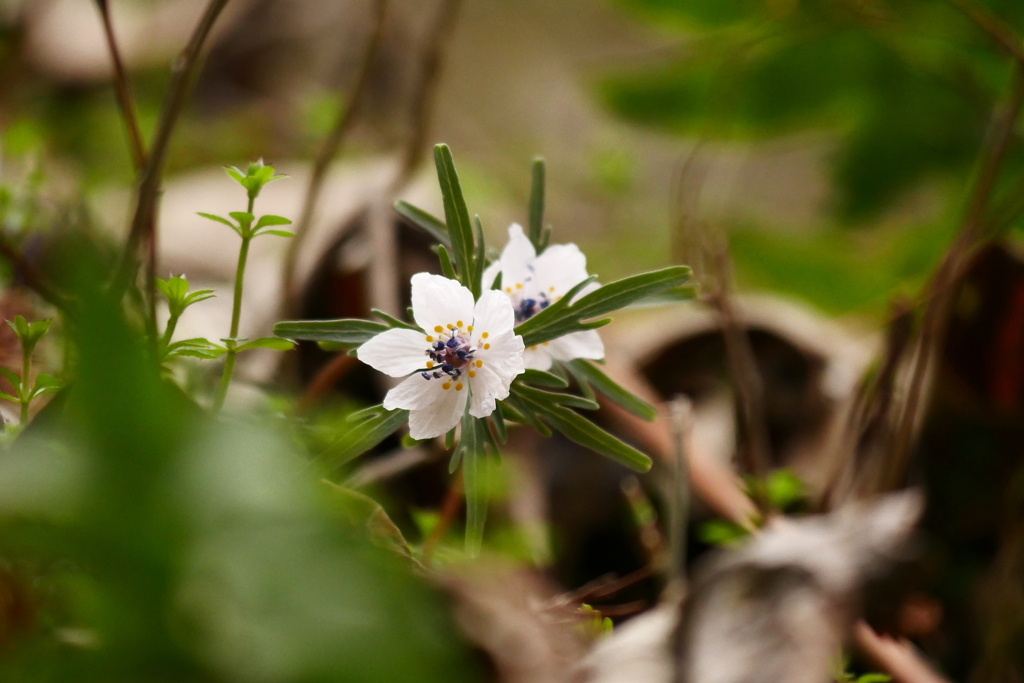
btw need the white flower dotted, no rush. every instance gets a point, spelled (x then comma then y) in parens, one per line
(534, 282)
(469, 352)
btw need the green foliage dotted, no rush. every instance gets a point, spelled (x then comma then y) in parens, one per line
(28, 333)
(536, 406)
(591, 379)
(167, 545)
(175, 290)
(456, 215)
(537, 233)
(907, 87)
(254, 178)
(462, 256)
(565, 316)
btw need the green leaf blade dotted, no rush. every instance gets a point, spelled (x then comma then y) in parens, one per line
(345, 331)
(460, 230)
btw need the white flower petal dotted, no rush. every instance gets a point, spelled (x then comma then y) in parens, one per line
(516, 258)
(585, 344)
(558, 269)
(537, 358)
(395, 352)
(488, 387)
(502, 354)
(493, 314)
(433, 410)
(414, 393)
(438, 301)
(490, 275)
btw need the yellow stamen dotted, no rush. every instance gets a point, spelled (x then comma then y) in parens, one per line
(450, 326)
(519, 285)
(446, 386)
(533, 348)
(544, 344)
(429, 338)
(486, 346)
(438, 328)
(472, 373)
(458, 387)
(484, 335)
(551, 289)
(479, 363)
(430, 364)
(458, 324)
(508, 289)
(470, 328)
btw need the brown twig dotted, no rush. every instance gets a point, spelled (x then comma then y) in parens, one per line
(449, 509)
(324, 380)
(426, 90)
(143, 225)
(123, 88)
(423, 99)
(942, 287)
(995, 27)
(332, 145)
(30, 275)
(746, 376)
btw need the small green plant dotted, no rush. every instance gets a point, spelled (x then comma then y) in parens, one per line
(491, 341)
(175, 290)
(782, 491)
(253, 179)
(841, 673)
(28, 335)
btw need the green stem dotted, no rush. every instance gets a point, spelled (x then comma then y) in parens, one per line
(26, 387)
(165, 338)
(236, 315)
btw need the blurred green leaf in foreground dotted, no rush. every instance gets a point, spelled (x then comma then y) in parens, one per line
(150, 543)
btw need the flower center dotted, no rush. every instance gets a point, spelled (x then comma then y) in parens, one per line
(451, 354)
(525, 306)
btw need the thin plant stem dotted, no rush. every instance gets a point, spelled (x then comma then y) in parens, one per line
(236, 317)
(123, 88)
(948, 274)
(143, 225)
(26, 387)
(331, 147)
(165, 338)
(679, 494)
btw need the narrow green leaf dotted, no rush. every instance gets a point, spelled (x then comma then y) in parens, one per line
(500, 430)
(542, 379)
(473, 443)
(669, 296)
(219, 219)
(269, 219)
(589, 375)
(235, 173)
(456, 215)
(563, 317)
(44, 380)
(8, 397)
(553, 398)
(433, 226)
(346, 331)
(447, 269)
(371, 426)
(393, 321)
(273, 343)
(576, 427)
(478, 256)
(244, 218)
(537, 192)
(13, 378)
(279, 233)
